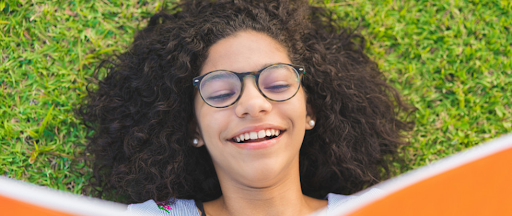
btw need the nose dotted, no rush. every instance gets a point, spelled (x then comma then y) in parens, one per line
(252, 102)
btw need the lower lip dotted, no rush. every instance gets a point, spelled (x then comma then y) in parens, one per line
(258, 145)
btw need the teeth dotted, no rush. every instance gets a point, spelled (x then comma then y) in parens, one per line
(254, 135)
(257, 135)
(261, 134)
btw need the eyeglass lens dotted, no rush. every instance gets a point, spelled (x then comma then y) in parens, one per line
(222, 88)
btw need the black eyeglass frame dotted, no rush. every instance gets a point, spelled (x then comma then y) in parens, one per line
(300, 70)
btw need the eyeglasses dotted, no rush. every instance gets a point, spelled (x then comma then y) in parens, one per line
(276, 82)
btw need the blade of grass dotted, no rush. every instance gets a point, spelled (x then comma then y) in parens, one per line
(45, 121)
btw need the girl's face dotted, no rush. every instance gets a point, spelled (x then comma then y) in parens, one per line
(261, 162)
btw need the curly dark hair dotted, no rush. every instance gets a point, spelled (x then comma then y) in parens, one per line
(142, 112)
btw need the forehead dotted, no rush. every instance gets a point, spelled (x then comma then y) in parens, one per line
(244, 51)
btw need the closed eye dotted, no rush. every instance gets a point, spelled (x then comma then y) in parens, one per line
(278, 88)
(221, 97)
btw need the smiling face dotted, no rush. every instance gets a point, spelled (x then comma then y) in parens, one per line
(255, 142)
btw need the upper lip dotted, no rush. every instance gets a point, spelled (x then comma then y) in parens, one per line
(256, 128)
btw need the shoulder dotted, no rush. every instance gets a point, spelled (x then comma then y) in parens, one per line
(150, 207)
(337, 200)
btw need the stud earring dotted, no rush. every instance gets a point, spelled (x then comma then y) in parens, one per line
(195, 141)
(312, 123)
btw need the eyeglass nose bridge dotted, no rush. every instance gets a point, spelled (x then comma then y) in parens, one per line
(242, 76)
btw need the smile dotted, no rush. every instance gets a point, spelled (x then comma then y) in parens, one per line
(257, 136)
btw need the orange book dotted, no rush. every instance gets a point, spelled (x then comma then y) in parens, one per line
(477, 181)
(24, 199)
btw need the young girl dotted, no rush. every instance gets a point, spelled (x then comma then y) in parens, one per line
(241, 108)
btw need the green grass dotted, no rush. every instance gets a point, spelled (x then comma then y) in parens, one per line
(450, 59)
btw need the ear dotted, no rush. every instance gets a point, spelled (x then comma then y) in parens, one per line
(199, 136)
(310, 116)
(196, 131)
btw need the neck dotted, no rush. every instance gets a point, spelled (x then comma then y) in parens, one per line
(283, 197)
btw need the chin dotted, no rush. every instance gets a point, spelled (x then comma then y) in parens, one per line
(265, 174)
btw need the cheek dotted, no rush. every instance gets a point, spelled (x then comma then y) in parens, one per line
(295, 110)
(211, 121)
(300, 102)
(201, 114)
(301, 115)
